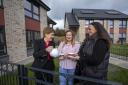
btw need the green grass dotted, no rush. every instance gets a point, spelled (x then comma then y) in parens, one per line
(121, 50)
(118, 74)
(115, 74)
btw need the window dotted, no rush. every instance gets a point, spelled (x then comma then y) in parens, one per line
(122, 38)
(28, 5)
(31, 10)
(111, 35)
(87, 22)
(111, 23)
(0, 2)
(122, 35)
(35, 12)
(3, 49)
(31, 36)
(36, 17)
(37, 35)
(35, 9)
(100, 21)
(90, 21)
(112, 12)
(123, 24)
(87, 12)
(28, 13)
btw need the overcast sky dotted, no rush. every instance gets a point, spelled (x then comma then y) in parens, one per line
(59, 7)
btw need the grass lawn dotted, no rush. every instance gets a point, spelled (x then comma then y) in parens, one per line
(120, 50)
(118, 74)
(115, 74)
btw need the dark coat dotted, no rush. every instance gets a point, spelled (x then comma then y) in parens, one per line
(41, 55)
(95, 65)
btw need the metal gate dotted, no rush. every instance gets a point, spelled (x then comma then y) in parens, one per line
(15, 74)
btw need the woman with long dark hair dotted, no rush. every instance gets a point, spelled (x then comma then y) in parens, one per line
(94, 53)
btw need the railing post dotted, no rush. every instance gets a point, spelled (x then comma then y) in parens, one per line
(22, 72)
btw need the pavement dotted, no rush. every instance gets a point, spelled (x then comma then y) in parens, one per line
(118, 62)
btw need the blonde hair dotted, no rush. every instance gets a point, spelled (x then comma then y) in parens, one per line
(47, 30)
(73, 37)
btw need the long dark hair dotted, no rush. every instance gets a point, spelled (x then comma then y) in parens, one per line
(102, 33)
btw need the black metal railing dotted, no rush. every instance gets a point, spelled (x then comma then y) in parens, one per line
(15, 74)
(119, 51)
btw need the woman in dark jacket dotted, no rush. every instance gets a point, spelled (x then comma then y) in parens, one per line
(42, 58)
(94, 53)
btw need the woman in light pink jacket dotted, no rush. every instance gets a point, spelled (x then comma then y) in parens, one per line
(68, 52)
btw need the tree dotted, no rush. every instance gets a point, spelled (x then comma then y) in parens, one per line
(59, 32)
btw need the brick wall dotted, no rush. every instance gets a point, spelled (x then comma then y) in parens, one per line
(116, 31)
(43, 20)
(82, 30)
(15, 29)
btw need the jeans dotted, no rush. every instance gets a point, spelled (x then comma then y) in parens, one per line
(64, 79)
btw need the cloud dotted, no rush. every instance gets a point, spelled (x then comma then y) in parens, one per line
(59, 7)
(60, 24)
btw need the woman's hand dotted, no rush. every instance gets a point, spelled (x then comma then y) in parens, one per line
(49, 49)
(61, 57)
(73, 57)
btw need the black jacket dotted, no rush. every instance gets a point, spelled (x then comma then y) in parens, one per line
(96, 65)
(41, 55)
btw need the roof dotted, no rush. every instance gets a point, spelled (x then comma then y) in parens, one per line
(98, 14)
(72, 21)
(50, 21)
(43, 4)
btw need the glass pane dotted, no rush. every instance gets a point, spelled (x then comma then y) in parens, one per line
(111, 23)
(120, 23)
(124, 24)
(124, 35)
(91, 21)
(1, 38)
(35, 9)
(120, 35)
(2, 43)
(35, 35)
(27, 13)
(39, 35)
(36, 17)
(111, 35)
(87, 22)
(29, 37)
(28, 5)
(0, 2)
